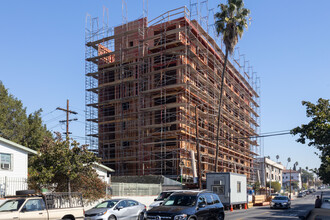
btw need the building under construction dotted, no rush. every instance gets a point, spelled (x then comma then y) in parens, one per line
(150, 84)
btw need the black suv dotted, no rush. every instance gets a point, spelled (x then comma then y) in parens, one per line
(190, 205)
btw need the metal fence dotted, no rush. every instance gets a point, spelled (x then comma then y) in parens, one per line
(9, 185)
(63, 200)
(135, 189)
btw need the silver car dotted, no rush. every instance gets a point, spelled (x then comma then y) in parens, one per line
(280, 202)
(117, 209)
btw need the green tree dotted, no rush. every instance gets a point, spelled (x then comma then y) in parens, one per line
(256, 187)
(13, 119)
(36, 132)
(16, 126)
(294, 185)
(230, 23)
(305, 186)
(59, 167)
(317, 133)
(276, 186)
(306, 176)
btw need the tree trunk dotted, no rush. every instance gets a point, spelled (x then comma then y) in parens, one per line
(69, 191)
(219, 110)
(69, 186)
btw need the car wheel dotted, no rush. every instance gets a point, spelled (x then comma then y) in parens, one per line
(141, 216)
(112, 217)
(221, 216)
(191, 218)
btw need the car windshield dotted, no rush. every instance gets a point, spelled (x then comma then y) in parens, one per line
(11, 205)
(164, 195)
(107, 204)
(327, 199)
(280, 198)
(180, 200)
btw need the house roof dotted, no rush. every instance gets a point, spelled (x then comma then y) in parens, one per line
(270, 162)
(21, 147)
(292, 171)
(104, 167)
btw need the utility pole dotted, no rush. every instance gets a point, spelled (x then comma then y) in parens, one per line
(290, 183)
(68, 111)
(265, 174)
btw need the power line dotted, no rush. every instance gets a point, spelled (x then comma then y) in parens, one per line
(54, 126)
(54, 119)
(42, 116)
(83, 110)
(249, 137)
(271, 132)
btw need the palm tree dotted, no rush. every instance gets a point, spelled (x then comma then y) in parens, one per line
(230, 22)
(295, 165)
(289, 160)
(277, 157)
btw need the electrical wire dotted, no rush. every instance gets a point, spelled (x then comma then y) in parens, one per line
(54, 119)
(44, 115)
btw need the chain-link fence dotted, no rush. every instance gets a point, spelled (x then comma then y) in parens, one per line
(135, 189)
(9, 185)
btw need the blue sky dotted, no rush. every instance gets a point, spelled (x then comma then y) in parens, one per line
(42, 59)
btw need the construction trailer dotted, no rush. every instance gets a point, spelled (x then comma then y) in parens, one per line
(230, 187)
(150, 84)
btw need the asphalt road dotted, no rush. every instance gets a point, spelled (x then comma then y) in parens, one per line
(299, 206)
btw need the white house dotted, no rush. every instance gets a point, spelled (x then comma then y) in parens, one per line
(295, 177)
(13, 166)
(102, 172)
(273, 170)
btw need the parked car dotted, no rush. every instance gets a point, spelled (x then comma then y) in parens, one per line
(325, 202)
(117, 209)
(28, 205)
(161, 197)
(300, 195)
(280, 202)
(189, 205)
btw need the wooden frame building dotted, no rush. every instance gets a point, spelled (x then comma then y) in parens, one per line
(145, 80)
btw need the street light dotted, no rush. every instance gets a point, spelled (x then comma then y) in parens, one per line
(289, 160)
(181, 165)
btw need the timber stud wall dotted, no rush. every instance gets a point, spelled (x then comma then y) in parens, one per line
(147, 90)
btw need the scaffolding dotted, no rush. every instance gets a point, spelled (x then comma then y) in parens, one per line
(145, 80)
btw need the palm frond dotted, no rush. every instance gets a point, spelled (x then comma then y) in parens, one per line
(231, 21)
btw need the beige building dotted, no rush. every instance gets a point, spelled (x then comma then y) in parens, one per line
(295, 177)
(274, 170)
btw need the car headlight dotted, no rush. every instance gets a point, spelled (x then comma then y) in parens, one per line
(272, 203)
(102, 213)
(285, 203)
(181, 217)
